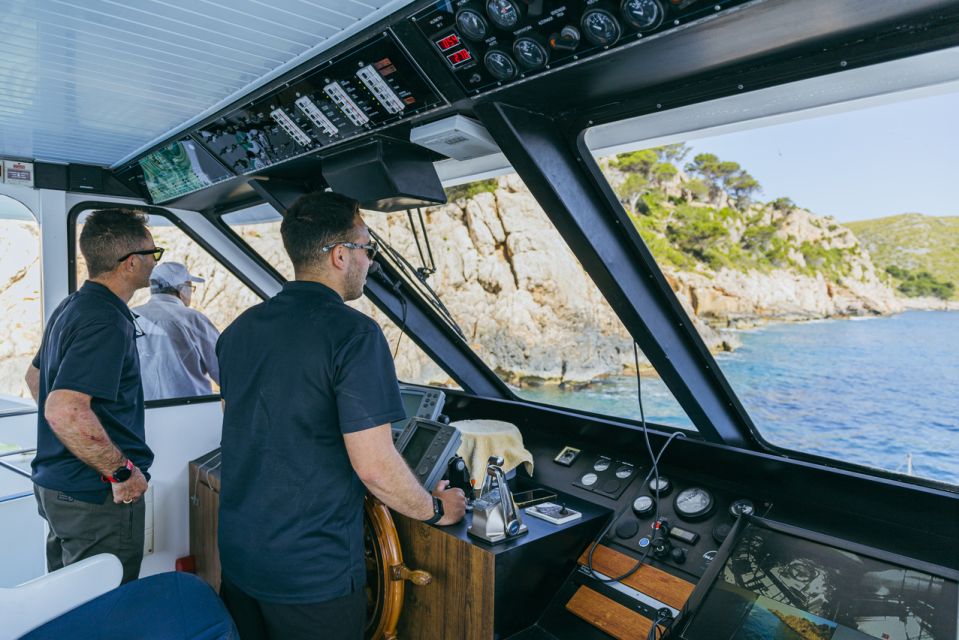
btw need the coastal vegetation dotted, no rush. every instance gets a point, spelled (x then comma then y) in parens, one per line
(704, 215)
(914, 243)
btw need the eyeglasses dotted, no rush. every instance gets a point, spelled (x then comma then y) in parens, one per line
(156, 252)
(370, 247)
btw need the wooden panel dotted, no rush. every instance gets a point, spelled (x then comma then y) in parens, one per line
(459, 602)
(204, 518)
(649, 580)
(607, 615)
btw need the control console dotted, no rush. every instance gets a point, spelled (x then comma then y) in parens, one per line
(488, 43)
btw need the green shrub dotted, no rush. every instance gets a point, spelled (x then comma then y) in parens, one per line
(470, 190)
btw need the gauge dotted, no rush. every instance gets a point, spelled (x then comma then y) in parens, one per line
(660, 486)
(644, 15)
(471, 24)
(741, 507)
(643, 505)
(530, 53)
(500, 65)
(693, 503)
(624, 471)
(601, 465)
(503, 13)
(600, 27)
(588, 480)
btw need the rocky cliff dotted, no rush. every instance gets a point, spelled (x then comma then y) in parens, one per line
(20, 315)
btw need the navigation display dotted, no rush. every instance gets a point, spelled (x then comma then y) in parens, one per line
(778, 586)
(179, 169)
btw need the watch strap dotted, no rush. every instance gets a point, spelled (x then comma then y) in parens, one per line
(437, 511)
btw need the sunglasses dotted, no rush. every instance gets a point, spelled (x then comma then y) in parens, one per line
(370, 247)
(156, 252)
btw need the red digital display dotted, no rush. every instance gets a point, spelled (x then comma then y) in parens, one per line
(459, 57)
(448, 42)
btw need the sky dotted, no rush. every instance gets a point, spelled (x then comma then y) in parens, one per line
(870, 163)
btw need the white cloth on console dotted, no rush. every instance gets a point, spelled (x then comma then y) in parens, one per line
(484, 438)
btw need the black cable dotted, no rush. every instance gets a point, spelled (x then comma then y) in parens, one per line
(399, 338)
(654, 471)
(409, 271)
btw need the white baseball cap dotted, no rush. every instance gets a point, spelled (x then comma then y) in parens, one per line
(172, 274)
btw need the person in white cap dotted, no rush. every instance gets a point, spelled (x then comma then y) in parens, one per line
(177, 348)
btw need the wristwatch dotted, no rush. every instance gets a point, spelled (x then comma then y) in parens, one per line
(122, 474)
(437, 511)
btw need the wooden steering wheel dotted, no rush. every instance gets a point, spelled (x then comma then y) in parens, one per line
(385, 572)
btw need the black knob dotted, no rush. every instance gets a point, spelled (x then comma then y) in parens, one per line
(627, 529)
(678, 555)
(563, 510)
(720, 532)
(660, 541)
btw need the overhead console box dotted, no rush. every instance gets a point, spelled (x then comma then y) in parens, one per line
(385, 175)
(488, 43)
(369, 87)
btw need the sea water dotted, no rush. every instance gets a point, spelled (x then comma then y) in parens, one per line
(871, 392)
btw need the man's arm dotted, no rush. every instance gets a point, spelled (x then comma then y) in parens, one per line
(384, 472)
(76, 425)
(33, 382)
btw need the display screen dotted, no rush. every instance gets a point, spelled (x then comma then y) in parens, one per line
(419, 444)
(459, 57)
(411, 405)
(776, 586)
(179, 169)
(448, 42)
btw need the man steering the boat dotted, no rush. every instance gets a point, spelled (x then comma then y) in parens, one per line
(309, 391)
(92, 462)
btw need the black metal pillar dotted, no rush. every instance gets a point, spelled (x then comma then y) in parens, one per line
(563, 178)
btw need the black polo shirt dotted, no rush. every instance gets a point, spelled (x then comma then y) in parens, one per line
(298, 372)
(89, 346)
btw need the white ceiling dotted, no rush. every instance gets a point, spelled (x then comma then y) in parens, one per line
(97, 81)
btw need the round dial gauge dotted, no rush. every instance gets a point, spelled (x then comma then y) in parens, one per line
(600, 27)
(643, 505)
(589, 479)
(530, 53)
(660, 485)
(624, 471)
(693, 503)
(500, 65)
(643, 15)
(503, 13)
(471, 24)
(601, 465)
(741, 507)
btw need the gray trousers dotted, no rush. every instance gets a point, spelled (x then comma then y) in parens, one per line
(80, 530)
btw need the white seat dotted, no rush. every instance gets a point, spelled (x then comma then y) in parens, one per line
(31, 604)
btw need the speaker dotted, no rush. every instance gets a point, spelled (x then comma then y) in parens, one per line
(385, 175)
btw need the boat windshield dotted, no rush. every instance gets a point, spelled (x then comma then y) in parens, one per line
(823, 251)
(524, 303)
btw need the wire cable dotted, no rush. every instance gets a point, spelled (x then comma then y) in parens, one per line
(653, 472)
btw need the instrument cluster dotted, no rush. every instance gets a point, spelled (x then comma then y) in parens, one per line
(365, 89)
(676, 523)
(488, 43)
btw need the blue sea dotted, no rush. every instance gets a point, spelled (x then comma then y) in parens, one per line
(871, 391)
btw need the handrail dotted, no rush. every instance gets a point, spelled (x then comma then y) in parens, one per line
(17, 470)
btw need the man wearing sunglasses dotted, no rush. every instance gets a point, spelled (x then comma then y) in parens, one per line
(92, 462)
(310, 391)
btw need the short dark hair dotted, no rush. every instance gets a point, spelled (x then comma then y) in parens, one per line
(314, 221)
(108, 235)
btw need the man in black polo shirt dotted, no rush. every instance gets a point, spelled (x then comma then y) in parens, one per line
(92, 459)
(310, 390)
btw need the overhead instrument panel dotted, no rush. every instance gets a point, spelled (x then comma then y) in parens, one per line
(489, 43)
(365, 89)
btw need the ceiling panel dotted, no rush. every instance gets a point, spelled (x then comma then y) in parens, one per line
(97, 81)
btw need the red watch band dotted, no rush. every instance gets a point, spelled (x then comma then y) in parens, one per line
(128, 464)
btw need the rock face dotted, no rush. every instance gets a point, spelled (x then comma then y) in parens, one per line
(20, 311)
